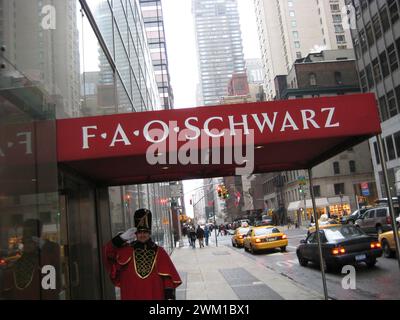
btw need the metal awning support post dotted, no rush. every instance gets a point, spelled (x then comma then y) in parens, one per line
(389, 196)
(321, 258)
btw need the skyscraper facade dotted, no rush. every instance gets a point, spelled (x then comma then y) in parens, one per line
(376, 37)
(289, 30)
(154, 24)
(219, 47)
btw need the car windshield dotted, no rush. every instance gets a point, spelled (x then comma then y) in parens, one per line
(265, 231)
(243, 230)
(342, 233)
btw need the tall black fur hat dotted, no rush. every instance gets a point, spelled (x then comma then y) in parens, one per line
(143, 220)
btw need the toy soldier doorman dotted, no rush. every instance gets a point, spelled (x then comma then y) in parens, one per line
(142, 269)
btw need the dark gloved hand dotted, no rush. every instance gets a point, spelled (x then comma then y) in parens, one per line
(169, 294)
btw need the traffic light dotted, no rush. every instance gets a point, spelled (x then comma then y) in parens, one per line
(225, 193)
(219, 190)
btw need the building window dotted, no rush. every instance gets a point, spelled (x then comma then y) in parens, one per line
(377, 158)
(363, 41)
(391, 102)
(336, 168)
(339, 28)
(291, 13)
(317, 191)
(398, 46)
(313, 79)
(390, 148)
(340, 38)
(392, 58)
(337, 18)
(396, 138)
(377, 26)
(393, 11)
(363, 81)
(298, 55)
(370, 78)
(383, 108)
(352, 165)
(384, 18)
(338, 77)
(297, 44)
(384, 64)
(295, 34)
(397, 91)
(294, 23)
(377, 70)
(370, 36)
(339, 188)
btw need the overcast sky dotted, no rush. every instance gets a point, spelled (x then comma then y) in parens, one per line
(182, 57)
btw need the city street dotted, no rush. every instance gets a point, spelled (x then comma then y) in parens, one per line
(380, 282)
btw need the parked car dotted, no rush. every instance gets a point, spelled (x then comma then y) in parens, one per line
(352, 218)
(376, 220)
(341, 245)
(238, 237)
(265, 237)
(388, 245)
(384, 201)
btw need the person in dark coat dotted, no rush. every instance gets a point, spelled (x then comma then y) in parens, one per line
(206, 234)
(192, 237)
(200, 236)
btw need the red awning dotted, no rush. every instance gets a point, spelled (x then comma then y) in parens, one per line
(288, 135)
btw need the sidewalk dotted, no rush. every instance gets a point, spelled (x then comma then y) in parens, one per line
(222, 273)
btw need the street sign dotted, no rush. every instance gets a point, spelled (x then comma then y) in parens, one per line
(176, 190)
(365, 189)
(302, 180)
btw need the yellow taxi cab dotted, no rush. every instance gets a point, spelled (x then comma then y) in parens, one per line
(386, 240)
(239, 235)
(265, 237)
(323, 223)
(323, 226)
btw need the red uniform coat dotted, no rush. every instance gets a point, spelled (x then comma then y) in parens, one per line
(138, 278)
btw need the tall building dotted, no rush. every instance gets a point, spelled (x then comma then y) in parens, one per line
(154, 24)
(339, 181)
(46, 55)
(255, 71)
(376, 39)
(289, 30)
(219, 46)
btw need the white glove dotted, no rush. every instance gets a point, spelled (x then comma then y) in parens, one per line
(129, 235)
(40, 242)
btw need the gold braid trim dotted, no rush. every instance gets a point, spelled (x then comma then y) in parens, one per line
(146, 260)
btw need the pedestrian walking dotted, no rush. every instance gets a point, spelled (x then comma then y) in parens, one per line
(200, 236)
(206, 234)
(139, 267)
(289, 223)
(192, 237)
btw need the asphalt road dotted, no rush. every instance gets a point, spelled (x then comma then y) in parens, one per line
(380, 282)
